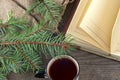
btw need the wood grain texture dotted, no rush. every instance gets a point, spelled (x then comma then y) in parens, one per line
(7, 6)
(92, 67)
(19, 7)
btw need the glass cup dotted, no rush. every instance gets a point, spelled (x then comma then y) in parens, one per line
(63, 67)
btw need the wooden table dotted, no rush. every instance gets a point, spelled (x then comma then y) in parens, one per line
(92, 67)
(95, 67)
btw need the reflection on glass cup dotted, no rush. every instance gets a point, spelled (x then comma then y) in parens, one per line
(63, 67)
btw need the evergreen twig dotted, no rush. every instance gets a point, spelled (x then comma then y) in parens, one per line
(50, 12)
(43, 27)
(22, 44)
(38, 43)
(25, 57)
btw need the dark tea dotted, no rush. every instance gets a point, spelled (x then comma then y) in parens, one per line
(62, 69)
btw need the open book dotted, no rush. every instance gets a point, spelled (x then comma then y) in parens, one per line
(95, 27)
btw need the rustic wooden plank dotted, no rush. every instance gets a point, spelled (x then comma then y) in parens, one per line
(89, 58)
(92, 67)
(28, 76)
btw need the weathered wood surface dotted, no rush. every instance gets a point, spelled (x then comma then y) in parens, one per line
(92, 67)
(18, 7)
(11, 5)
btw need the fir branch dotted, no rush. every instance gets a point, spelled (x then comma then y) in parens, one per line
(2, 76)
(43, 41)
(22, 44)
(49, 11)
(38, 43)
(30, 10)
(33, 7)
(9, 59)
(25, 57)
(13, 58)
(13, 25)
(3, 29)
(43, 27)
(8, 62)
(4, 26)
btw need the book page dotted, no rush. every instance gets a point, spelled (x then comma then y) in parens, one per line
(79, 33)
(99, 20)
(115, 39)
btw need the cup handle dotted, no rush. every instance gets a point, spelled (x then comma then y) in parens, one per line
(40, 73)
